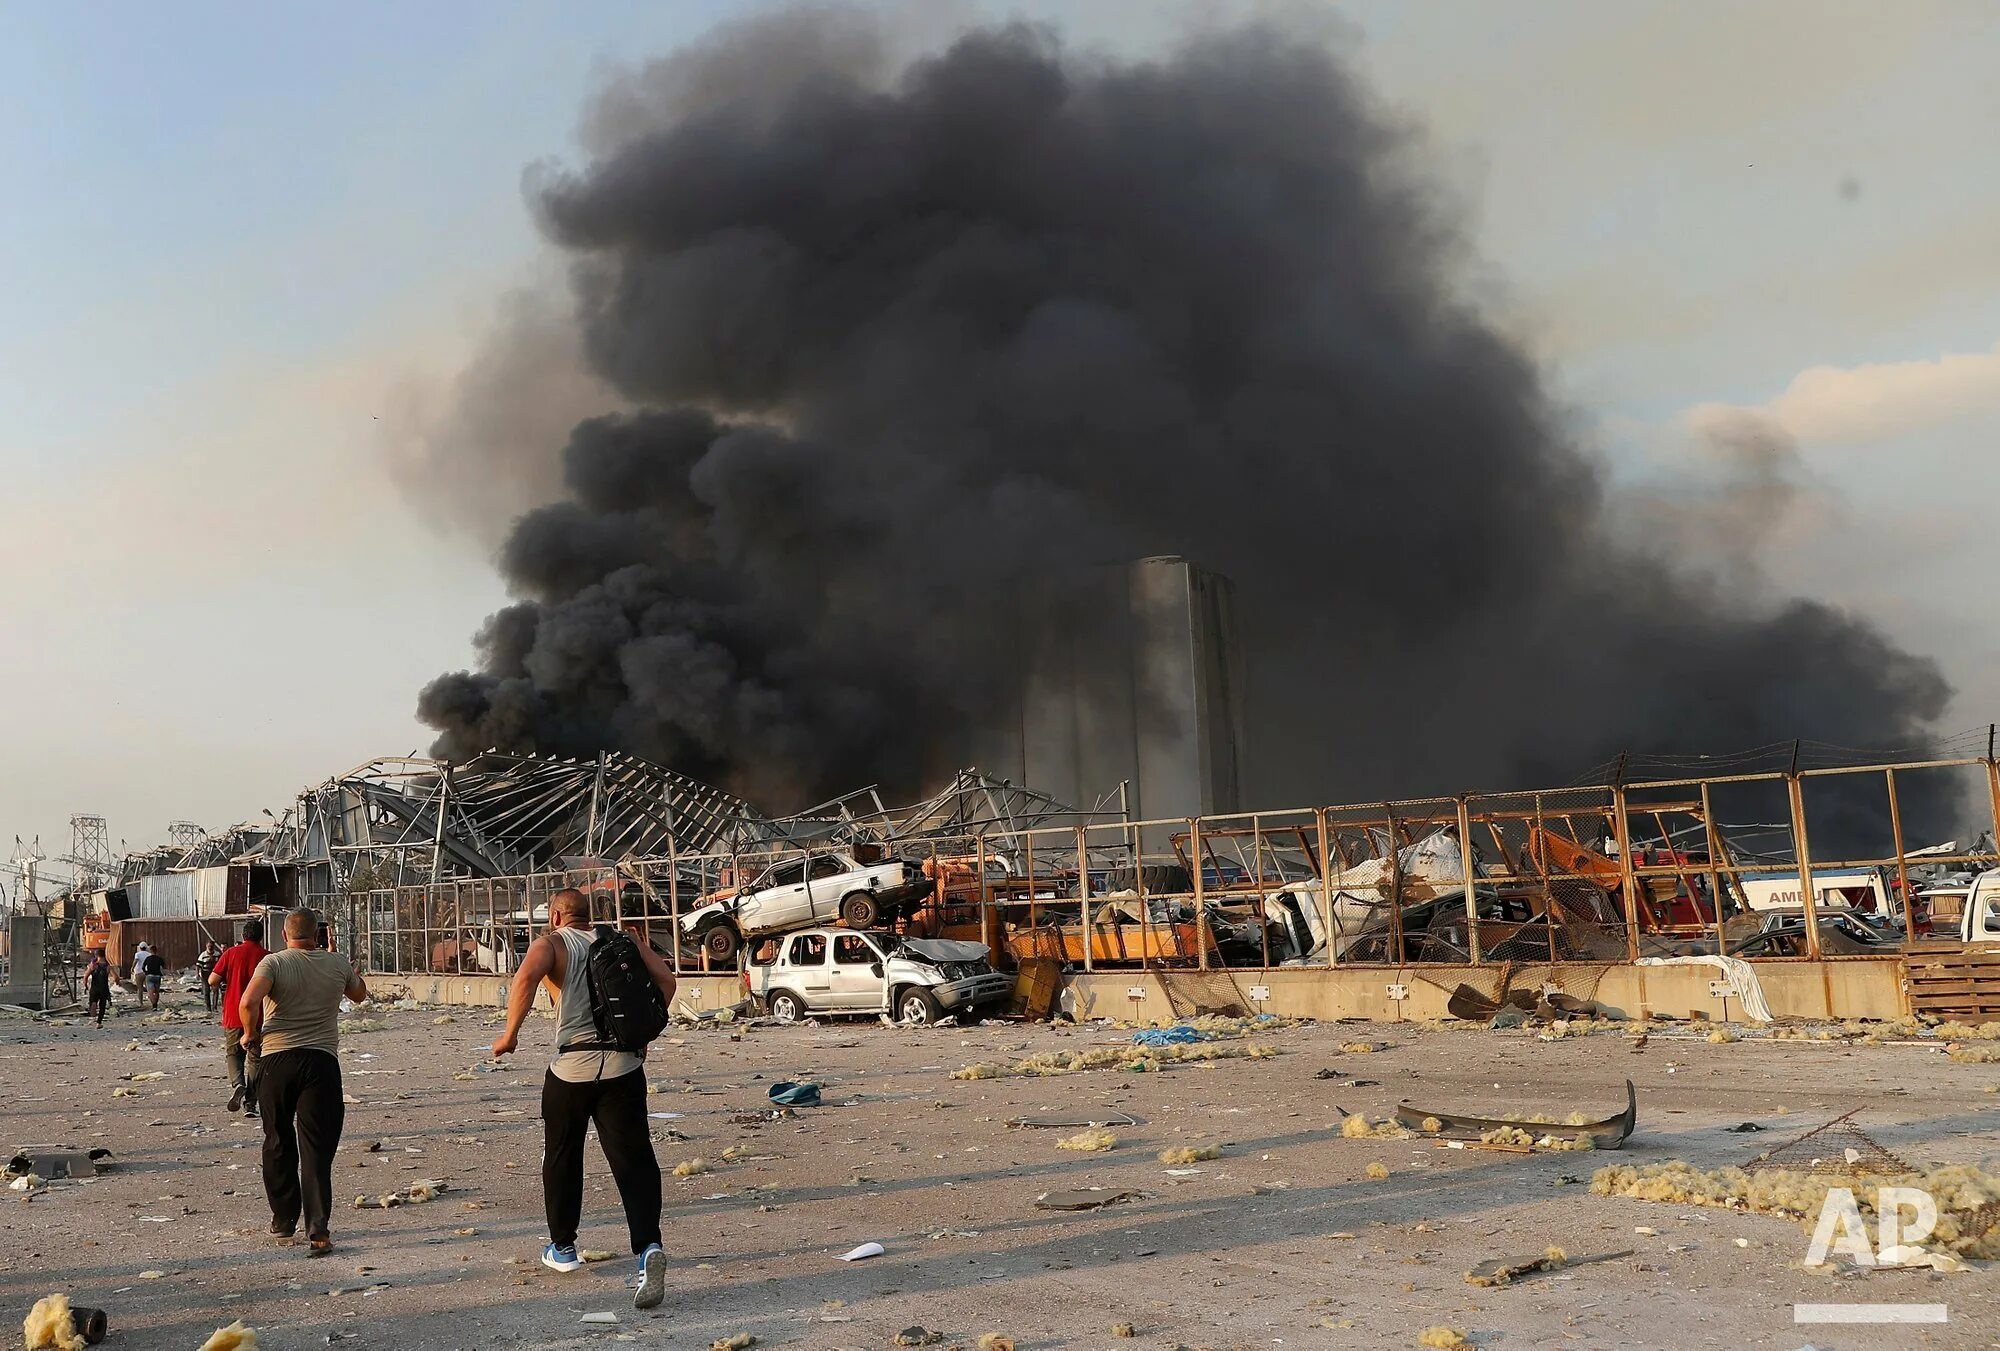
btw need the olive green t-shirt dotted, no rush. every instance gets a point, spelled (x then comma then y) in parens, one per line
(302, 1012)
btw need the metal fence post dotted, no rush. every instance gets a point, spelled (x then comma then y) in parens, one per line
(1325, 886)
(1795, 795)
(1083, 893)
(1201, 935)
(1466, 873)
(1628, 881)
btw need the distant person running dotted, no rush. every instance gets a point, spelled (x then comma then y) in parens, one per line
(230, 978)
(97, 984)
(607, 1088)
(291, 1019)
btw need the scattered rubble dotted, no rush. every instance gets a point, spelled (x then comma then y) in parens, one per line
(1187, 1154)
(1967, 1195)
(235, 1337)
(52, 1323)
(1607, 1133)
(1089, 1142)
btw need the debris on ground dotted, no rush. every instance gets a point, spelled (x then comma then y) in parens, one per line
(1124, 1330)
(1359, 1127)
(603, 1318)
(738, 1341)
(1089, 1142)
(789, 1094)
(1070, 1120)
(1967, 1195)
(863, 1253)
(917, 1335)
(690, 1167)
(1442, 1338)
(1608, 1133)
(1504, 1270)
(1134, 1059)
(418, 1193)
(1084, 1198)
(995, 1341)
(235, 1337)
(1187, 1154)
(51, 1324)
(1376, 1172)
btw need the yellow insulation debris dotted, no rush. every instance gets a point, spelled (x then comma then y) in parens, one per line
(1187, 1154)
(235, 1337)
(1963, 1193)
(49, 1324)
(1089, 1142)
(1359, 1127)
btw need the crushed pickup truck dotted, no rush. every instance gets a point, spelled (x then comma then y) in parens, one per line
(817, 889)
(916, 980)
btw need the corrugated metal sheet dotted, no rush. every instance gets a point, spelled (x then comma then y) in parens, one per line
(164, 896)
(221, 890)
(179, 941)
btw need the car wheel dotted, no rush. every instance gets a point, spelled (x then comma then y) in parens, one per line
(787, 1007)
(858, 910)
(916, 1006)
(719, 942)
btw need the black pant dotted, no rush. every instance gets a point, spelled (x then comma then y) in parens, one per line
(242, 1063)
(618, 1107)
(298, 1158)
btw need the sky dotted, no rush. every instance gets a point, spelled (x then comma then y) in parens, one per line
(247, 248)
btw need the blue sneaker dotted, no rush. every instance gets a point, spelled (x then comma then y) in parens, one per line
(561, 1259)
(652, 1278)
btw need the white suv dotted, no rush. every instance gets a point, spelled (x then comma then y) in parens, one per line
(916, 980)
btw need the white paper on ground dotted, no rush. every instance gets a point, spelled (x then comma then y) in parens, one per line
(864, 1251)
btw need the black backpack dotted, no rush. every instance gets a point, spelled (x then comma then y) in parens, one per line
(624, 1002)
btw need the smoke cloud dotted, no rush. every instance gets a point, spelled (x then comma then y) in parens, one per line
(886, 340)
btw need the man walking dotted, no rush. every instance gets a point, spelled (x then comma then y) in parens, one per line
(97, 980)
(231, 976)
(585, 1087)
(139, 959)
(291, 1019)
(155, 967)
(204, 967)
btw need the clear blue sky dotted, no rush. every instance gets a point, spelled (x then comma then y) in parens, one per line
(239, 239)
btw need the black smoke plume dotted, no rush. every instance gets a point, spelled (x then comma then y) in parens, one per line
(886, 342)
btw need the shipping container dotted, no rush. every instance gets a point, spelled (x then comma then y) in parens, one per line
(178, 941)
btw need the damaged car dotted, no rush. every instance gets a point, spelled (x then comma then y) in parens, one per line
(823, 971)
(816, 889)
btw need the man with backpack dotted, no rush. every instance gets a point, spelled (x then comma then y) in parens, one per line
(612, 996)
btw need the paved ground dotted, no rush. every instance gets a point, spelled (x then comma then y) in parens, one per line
(1283, 1241)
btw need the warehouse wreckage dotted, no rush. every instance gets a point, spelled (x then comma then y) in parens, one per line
(428, 867)
(437, 867)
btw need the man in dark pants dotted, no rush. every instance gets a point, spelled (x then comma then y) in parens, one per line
(291, 1019)
(605, 1088)
(231, 977)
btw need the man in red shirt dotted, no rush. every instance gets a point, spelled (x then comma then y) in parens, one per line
(232, 972)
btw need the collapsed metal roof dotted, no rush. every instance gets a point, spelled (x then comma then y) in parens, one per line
(506, 813)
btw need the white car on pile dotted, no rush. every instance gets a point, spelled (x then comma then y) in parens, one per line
(816, 889)
(915, 980)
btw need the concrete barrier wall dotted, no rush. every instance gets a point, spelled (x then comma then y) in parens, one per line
(1850, 988)
(1854, 988)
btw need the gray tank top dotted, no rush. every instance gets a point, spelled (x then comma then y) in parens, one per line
(574, 1023)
